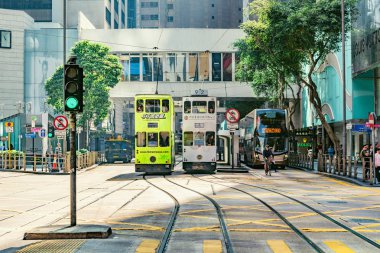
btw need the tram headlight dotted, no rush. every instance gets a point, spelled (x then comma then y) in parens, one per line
(285, 157)
(199, 157)
(152, 159)
(257, 156)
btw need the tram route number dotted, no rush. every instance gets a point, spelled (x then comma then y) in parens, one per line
(200, 92)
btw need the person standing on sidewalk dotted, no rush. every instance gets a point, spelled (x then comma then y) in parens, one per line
(58, 154)
(377, 165)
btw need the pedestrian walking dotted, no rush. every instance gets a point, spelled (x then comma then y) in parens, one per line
(377, 165)
(58, 155)
(365, 157)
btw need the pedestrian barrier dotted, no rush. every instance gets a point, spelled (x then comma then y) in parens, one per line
(303, 161)
(19, 161)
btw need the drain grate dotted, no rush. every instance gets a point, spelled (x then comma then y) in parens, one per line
(363, 220)
(56, 246)
(337, 202)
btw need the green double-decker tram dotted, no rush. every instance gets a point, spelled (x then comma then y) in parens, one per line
(154, 132)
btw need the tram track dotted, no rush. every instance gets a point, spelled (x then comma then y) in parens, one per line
(222, 222)
(169, 228)
(329, 218)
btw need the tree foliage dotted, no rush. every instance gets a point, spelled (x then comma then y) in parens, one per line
(102, 72)
(292, 38)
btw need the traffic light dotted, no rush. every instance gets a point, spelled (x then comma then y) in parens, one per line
(51, 131)
(73, 88)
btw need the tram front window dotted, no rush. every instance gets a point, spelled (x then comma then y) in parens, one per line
(152, 105)
(199, 139)
(188, 138)
(141, 139)
(187, 107)
(199, 106)
(278, 144)
(165, 105)
(152, 139)
(164, 139)
(140, 105)
(211, 107)
(210, 138)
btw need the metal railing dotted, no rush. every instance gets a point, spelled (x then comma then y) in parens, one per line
(45, 163)
(303, 161)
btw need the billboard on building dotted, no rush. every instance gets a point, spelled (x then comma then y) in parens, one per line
(366, 37)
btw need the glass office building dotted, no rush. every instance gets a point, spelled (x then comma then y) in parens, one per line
(39, 10)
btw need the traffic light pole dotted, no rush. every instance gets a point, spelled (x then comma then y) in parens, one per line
(73, 170)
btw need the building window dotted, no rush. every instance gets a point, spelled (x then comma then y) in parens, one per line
(115, 25)
(212, 5)
(227, 67)
(170, 19)
(135, 68)
(116, 7)
(239, 9)
(149, 17)
(149, 4)
(40, 11)
(170, 6)
(216, 67)
(108, 16)
(123, 19)
(212, 17)
(123, 1)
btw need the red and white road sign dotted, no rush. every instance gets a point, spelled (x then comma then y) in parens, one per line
(371, 120)
(232, 115)
(60, 122)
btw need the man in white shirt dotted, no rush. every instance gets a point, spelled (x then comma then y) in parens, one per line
(377, 165)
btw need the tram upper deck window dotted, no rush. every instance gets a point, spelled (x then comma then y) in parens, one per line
(199, 139)
(187, 107)
(152, 139)
(165, 105)
(164, 139)
(211, 107)
(141, 139)
(210, 138)
(152, 105)
(140, 105)
(199, 107)
(188, 138)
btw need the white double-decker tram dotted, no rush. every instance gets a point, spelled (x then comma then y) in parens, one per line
(199, 133)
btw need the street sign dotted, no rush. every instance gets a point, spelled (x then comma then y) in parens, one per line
(9, 124)
(9, 129)
(60, 122)
(232, 126)
(349, 126)
(30, 135)
(42, 133)
(371, 120)
(232, 115)
(60, 133)
(35, 129)
(360, 128)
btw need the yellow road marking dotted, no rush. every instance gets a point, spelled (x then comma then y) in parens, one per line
(193, 229)
(148, 246)
(212, 246)
(262, 230)
(278, 246)
(257, 223)
(367, 226)
(338, 247)
(139, 226)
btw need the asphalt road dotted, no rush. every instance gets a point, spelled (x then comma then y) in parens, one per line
(291, 211)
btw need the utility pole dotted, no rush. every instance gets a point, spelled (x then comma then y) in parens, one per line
(344, 91)
(73, 167)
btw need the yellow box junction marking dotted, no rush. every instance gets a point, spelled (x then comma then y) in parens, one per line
(338, 247)
(148, 246)
(278, 246)
(212, 246)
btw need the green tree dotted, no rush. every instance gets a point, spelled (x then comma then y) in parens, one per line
(102, 72)
(295, 36)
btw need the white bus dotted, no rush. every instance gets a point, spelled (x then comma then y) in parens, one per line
(199, 133)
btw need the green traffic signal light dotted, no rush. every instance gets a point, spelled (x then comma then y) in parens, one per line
(50, 135)
(71, 102)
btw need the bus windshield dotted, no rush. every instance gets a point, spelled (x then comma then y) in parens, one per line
(270, 123)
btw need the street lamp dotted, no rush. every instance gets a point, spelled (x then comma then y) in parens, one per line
(344, 88)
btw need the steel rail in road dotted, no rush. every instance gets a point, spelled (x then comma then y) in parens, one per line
(287, 222)
(363, 237)
(169, 229)
(223, 226)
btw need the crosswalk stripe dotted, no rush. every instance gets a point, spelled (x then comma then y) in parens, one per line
(212, 246)
(148, 246)
(278, 246)
(338, 247)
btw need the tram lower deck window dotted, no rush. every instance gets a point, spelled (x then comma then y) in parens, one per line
(141, 139)
(152, 139)
(188, 138)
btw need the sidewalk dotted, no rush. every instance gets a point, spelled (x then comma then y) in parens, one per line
(357, 181)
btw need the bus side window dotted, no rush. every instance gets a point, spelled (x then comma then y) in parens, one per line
(140, 105)
(164, 139)
(165, 105)
(187, 107)
(152, 139)
(141, 139)
(210, 138)
(211, 107)
(188, 138)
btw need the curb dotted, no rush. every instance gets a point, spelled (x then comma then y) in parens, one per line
(342, 178)
(48, 173)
